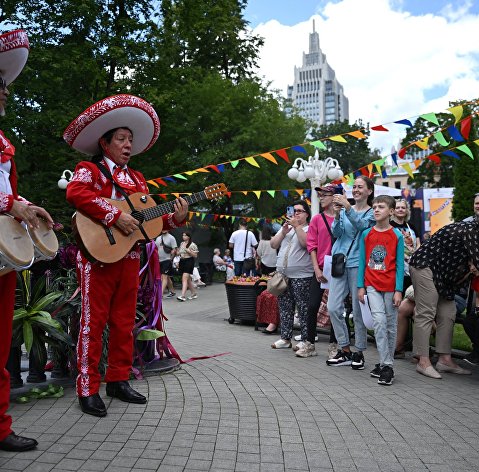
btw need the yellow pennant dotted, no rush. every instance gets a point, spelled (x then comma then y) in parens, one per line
(251, 160)
(338, 139)
(408, 169)
(457, 112)
(257, 193)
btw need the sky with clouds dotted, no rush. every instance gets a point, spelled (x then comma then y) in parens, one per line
(395, 58)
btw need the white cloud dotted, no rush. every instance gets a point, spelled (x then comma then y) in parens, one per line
(389, 61)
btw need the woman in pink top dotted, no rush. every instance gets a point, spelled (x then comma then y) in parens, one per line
(319, 244)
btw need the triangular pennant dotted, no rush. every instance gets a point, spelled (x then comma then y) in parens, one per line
(404, 122)
(465, 149)
(370, 169)
(457, 112)
(191, 172)
(299, 149)
(451, 154)
(378, 167)
(357, 173)
(357, 134)
(257, 193)
(163, 196)
(408, 169)
(476, 142)
(441, 139)
(350, 179)
(299, 191)
(417, 163)
(244, 192)
(161, 182)
(234, 164)
(454, 133)
(364, 170)
(379, 128)
(466, 127)
(269, 157)
(402, 153)
(394, 157)
(283, 154)
(422, 143)
(431, 117)
(201, 169)
(384, 173)
(212, 166)
(251, 160)
(152, 182)
(180, 176)
(285, 193)
(271, 192)
(318, 144)
(171, 179)
(215, 217)
(203, 215)
(338, 139)
(434, 158)
(221, 168)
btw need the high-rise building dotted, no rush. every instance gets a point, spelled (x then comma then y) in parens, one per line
(316, 92)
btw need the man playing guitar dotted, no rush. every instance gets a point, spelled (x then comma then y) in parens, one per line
(112, 131)
(14, 49)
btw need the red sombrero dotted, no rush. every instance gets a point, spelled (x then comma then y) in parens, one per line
(14, 49)
(84, 132)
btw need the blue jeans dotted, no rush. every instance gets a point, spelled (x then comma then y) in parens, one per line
(385, 321)
(339, 287)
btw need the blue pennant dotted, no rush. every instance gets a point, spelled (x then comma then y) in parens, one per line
(221, 167)
(171, 179)
(451, 154)
(404, 122)
(394, 156)
(299, 149)
(285, 193)
(455, 134)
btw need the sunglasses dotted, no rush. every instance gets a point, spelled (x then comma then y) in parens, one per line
(299, 211)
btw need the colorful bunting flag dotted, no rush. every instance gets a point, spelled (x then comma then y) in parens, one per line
(283, 154)
(269, 157)
(299, 149)
(466, 127)
(338, 139)
(465, 149)
(379, 128)
(454, 133)
(451, 154)
(431, 117)
(318, 144)
(457, 112)
(404, 122)
(441, 139)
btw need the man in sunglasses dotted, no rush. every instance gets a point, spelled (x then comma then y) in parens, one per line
(13, 56)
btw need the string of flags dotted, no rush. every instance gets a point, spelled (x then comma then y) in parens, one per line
(458, 132)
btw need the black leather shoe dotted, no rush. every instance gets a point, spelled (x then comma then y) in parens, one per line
(267, 331)
(17, 443)
(92, 405)
(124, 392)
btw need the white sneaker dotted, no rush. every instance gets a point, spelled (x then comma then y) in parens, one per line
(281, 344)
(308, 350)
(193, 297)
(181, 299)
(332, 350)
(299, 346)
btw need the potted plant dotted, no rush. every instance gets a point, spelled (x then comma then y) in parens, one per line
(34, 326)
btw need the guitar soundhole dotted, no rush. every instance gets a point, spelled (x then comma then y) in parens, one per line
(138, 215)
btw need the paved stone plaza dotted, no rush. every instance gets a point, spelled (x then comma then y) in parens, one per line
(256, 409)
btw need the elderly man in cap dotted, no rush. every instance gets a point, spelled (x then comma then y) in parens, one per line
(14, 49)
(112, 131)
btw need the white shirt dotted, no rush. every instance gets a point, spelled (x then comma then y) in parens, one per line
(238, 238)
(5, 186)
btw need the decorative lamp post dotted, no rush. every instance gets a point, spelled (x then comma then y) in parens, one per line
(65, 179)
(317, 171)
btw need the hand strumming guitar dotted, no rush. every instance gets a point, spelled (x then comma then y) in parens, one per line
(127, 224)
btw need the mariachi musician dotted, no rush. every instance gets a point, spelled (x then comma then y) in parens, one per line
(14, 49)
(112, 131)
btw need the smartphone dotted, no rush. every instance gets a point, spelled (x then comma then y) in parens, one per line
(338, 190)
(290, 212)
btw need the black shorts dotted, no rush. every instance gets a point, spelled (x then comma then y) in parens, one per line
(166, 267)
(186, 265)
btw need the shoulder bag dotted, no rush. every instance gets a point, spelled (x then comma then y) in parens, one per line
(278, 282)
(338, 261)
(248, 262)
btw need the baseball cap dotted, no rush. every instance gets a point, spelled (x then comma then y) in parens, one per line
(326, 188)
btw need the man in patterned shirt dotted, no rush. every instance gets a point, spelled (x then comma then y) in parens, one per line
(440, 267)
(112, 130)
(14, 48)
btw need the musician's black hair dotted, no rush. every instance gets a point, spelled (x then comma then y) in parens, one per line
(107, 137)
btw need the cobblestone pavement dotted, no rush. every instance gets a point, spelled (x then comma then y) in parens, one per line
(258, 409)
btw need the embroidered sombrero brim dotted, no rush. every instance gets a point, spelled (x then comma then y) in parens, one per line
(14, 49)
(128, 111)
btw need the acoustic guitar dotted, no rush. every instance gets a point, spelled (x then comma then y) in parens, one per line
(108, 245)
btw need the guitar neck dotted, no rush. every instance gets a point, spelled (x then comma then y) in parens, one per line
(165, 208)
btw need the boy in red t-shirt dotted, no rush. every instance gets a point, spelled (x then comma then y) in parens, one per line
(381, 275)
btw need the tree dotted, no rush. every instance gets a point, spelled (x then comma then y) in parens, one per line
(466, 170)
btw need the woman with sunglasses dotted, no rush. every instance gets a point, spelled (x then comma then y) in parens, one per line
(294, 261)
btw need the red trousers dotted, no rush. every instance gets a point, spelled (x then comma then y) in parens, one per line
(108, 294)
(7, 303)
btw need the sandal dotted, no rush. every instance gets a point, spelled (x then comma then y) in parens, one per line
(281, 344)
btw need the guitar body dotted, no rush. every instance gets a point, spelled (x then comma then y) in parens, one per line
(94, 240)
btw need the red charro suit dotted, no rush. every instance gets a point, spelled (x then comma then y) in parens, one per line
(7, 297)
(109, 291)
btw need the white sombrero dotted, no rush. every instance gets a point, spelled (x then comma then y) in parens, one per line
(14, 49)
(128, 111)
